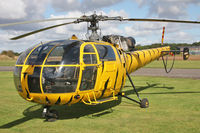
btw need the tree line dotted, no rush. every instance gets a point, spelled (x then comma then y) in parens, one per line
(9, 53)
(173, 45)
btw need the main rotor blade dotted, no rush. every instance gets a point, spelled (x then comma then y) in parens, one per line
(34, 21)
(160, 20)
(43, 29)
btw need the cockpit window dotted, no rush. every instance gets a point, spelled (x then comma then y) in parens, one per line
(105, 52)
(60, 79)
(22, 57)
(17, 78)
(64, 54)
(90, 58)
(38, 55)
(89, 49)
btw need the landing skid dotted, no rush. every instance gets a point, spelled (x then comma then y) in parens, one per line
(49, 115)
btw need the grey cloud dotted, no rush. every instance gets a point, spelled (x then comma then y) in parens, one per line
(34, 10)
(85, 5)
(66, 5)
(167, 8)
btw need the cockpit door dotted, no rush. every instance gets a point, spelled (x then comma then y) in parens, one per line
(89, 61)
(108, 70)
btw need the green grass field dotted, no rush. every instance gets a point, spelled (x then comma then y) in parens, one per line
(174, 107)
(188, 64)
(7, 62)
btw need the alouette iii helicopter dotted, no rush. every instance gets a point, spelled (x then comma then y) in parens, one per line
(93, 71)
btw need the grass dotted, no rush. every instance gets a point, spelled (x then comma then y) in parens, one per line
(7, 62)
(174, 107)
(188, 64)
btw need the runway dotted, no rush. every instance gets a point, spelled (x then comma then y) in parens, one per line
(175, 73)
(6, 68)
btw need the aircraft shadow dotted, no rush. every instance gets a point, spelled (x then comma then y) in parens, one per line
(141, 88)
(66, 112)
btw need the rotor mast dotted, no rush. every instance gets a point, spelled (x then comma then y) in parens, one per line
(94, 24)
(94, 27)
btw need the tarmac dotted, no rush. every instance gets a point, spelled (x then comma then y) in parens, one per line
(175, 73)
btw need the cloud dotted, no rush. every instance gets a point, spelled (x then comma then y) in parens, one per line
(22, 10)
(7, 11)
(66, 5)
(167, 8)
(83, 6)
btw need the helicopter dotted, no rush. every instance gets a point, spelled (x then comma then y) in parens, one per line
(92, 71)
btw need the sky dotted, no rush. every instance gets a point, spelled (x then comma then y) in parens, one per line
(144, 32)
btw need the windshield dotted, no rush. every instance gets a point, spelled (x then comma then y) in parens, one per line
(64, 54)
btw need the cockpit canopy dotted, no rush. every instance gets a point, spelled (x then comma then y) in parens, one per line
(57, 67)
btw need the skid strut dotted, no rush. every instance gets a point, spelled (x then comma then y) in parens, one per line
(144, 103)
(49, 115)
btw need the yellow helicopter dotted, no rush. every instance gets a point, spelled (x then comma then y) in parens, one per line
(93, 71)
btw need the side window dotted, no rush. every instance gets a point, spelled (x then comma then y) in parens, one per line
(89, 56)
(89, 49)
(22, 57)
(88, 78)
(106, 53)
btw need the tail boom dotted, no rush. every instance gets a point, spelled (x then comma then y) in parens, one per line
(138, 59)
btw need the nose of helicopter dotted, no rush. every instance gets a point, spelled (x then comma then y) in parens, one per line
(48, 68)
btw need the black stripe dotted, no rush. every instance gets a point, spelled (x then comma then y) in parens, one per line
(138, 55)
(153, 51)
(28, 95)
(131, 61)
(105, 87)
(150, 54)
(119, 55)
(25, 75)
(70, 100)
(122, 83)
(102, 66)
(58, 101)
(116, 79)
(47, 100)
(143, 53)
(157, 50)
(80, 99)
